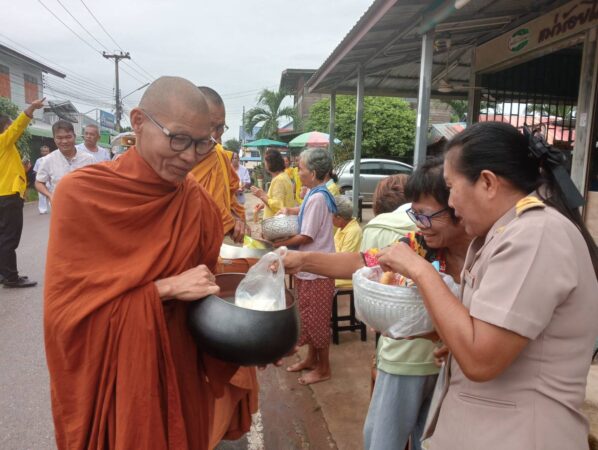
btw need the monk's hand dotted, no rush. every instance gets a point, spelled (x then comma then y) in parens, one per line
(399, 258)
(190, 285)
(239, 231)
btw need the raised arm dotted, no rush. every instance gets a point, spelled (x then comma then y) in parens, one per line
(15, 130)
(331, 265)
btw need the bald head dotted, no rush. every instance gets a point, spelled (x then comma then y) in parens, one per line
(211, 96)
(170, 94)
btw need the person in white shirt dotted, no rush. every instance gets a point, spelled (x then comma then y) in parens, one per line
(244, 179)
(59, 163)
(91, 136)
(42, 202)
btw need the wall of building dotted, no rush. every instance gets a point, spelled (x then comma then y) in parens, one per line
(18, 70)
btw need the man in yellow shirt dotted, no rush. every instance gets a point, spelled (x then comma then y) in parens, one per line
(216, 174)
(13, 183)
(348, 235)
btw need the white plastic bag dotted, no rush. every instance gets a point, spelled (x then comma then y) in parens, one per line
(263, 289)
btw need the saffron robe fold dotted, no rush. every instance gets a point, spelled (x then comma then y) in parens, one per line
(216, 175)
(125, 372)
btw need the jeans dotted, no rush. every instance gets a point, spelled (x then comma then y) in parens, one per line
(398, 409)
(11, 226)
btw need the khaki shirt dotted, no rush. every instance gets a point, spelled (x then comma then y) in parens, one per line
(532, 274)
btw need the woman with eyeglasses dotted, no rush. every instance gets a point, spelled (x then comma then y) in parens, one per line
(521, 334)
(406, 368)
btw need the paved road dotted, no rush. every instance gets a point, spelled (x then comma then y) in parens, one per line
(289, 418)
(25, 419)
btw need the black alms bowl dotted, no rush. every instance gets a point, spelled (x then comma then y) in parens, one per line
(239, 335)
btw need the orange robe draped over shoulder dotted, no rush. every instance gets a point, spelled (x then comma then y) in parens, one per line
(216, 175)
(125, 372)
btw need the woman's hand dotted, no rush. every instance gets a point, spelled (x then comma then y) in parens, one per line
(35, 104)
(440, 355)
(190, 285)
(400, 258)
(303, 192)
(259, 193)
(283, 211)
(293, 262)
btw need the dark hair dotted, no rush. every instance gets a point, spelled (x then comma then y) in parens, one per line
(500, 148)
(4, 121)
(389, 194)
(64, 125)
(274, 161)
(211, 95)
(333, 176)
(428, 179)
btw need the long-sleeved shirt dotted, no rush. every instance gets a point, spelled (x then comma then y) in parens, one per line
(280, 195)
(13, 179)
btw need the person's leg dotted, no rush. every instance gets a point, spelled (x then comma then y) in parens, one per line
(305, 314)
(11, 226)
(394, 411)
(321, 294)
(428, 392)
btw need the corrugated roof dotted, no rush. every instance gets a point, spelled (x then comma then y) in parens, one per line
(386, 41)
(9, 51)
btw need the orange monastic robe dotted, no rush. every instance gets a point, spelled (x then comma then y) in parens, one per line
(216, 175)
(125, 372)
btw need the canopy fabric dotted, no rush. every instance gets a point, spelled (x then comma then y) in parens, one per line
(312, 139)
(266, 143)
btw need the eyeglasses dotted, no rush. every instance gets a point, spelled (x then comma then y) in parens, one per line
(181, 142)
(422, 220)
(221, 128)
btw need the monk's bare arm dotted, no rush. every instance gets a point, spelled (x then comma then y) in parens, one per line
(190, 285)
(331, 265)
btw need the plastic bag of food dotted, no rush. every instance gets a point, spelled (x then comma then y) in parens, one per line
(263, 288)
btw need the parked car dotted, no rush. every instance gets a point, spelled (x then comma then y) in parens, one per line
(370, 174)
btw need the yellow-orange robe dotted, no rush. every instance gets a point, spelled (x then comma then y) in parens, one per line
(125, 372)
(216, 175)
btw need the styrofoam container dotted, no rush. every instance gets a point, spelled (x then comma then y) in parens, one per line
(394, 310)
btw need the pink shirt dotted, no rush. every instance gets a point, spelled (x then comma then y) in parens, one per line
(317, 224)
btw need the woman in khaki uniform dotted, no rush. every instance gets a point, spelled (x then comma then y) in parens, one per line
(521, 337)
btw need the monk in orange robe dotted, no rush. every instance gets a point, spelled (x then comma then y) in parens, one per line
(217, 175)
(131, 243)
(232, 410)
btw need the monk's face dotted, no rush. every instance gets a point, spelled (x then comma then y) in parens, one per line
(154, 146)
(217, 121)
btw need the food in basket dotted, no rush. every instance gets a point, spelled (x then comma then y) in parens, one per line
(394, 279)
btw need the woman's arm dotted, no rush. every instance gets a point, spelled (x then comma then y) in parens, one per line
(482, 350)
(294, 241)
(331, 265)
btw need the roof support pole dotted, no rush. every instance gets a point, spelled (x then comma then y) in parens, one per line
(332, 118)
(423, 98)
(358, 137)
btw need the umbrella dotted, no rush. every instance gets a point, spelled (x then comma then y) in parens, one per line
(266, 143)
(312, 139)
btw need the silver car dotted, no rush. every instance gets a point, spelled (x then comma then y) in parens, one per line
(372, 171)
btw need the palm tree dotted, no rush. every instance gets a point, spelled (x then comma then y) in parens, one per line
(267, 114)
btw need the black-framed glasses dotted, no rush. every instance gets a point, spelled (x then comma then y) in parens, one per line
(181, 142)
(424, 220)
(221, 128)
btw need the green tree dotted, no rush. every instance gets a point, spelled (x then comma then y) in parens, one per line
(233, 145)
(10, 109)
(388, 126)
(459, 108)
(267, 114)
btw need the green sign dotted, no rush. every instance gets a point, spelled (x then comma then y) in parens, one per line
(519, 39)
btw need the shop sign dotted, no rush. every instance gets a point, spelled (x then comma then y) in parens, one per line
(568, 20)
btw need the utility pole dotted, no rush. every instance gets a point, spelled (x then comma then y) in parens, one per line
(117, 57)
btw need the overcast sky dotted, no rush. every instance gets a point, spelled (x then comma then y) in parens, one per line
(237, 47)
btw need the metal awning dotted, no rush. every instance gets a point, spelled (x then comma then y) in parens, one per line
(387, 43)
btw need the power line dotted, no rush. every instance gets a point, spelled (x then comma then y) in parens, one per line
(112, 39)
(69, 72)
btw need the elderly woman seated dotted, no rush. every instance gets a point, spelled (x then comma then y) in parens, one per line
(348, 234)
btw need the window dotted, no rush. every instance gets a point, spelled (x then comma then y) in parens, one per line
(394, 169)
(4, 81)
(31, 88)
